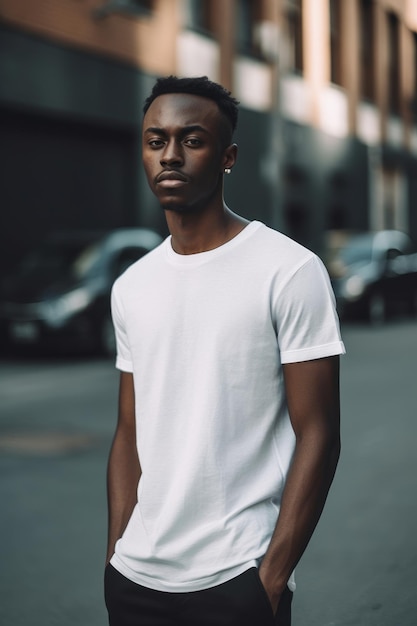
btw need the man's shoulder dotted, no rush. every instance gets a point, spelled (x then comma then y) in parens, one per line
(140, 269)
(277, 246)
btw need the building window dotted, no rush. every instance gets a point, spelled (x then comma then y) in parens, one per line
(130, 8)
(201, 17)
(248, 16)
(295, 35)
(393, 64)
(338, 192)
(415, 61)
(297, 222)
(335, 43)
(145, 5)
(367, 47)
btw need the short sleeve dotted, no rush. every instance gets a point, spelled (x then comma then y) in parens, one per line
(307, 323)
(123, 357)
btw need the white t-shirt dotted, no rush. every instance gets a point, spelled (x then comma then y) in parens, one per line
(205, 336)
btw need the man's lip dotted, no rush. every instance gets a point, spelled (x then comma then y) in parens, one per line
(171, 176)
(171, 183)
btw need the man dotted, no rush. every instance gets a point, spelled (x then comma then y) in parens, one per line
(228, 430)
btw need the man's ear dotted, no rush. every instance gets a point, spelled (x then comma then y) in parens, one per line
(229, 156)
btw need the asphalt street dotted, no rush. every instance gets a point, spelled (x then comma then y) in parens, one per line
(57, 417)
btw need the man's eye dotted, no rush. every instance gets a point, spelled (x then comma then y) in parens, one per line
(155, 143)
(193, 141)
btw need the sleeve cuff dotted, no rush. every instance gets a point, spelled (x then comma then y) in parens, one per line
(123, 365)
(316, 352)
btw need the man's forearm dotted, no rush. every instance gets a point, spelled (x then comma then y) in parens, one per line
(304, 496)
(123, 475)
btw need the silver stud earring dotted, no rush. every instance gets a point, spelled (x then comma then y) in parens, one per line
(227, 170)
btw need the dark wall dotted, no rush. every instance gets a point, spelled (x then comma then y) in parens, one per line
(61, 175)
(325, 185)
(40, 75)
(320, 182)
(69, 149)
(396, 159)
(247, 189)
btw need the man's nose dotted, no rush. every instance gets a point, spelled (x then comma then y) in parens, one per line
(172, 154)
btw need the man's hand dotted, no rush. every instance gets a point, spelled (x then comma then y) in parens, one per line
(273, 594)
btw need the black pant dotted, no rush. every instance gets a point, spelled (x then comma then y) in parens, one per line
(241, 601)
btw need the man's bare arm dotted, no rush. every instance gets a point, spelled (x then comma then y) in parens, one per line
(312, 389)
(123, 470)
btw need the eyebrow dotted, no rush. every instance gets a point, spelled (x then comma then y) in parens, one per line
(184, 130)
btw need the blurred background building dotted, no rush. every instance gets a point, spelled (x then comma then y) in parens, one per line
(328, 128)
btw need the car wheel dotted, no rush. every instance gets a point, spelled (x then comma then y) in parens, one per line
(107, 339)
(377, 309)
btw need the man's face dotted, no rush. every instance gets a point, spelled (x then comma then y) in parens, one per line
(183, 151)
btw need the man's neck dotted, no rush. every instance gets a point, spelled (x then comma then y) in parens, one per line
(194, 233)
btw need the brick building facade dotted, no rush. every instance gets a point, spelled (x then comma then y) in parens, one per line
(328, 132)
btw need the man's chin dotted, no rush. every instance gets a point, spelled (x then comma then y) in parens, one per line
(177, 208)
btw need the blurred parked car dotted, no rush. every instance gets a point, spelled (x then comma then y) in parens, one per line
(61, 290)
(375, 275)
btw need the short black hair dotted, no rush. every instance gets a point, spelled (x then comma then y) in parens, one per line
(198, 86)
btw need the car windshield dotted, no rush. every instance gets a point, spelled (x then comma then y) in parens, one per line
(59, 260)
(358, 250)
